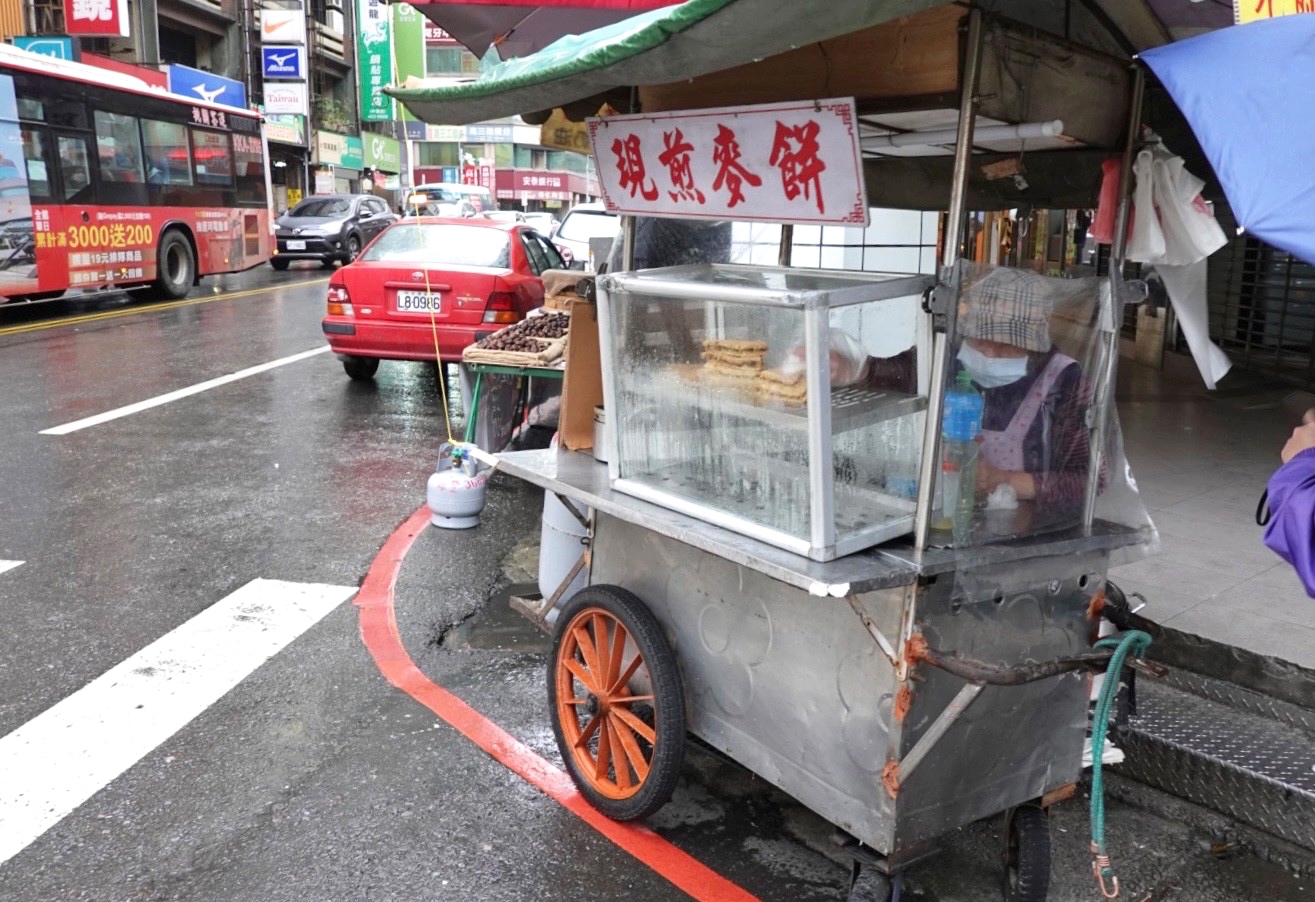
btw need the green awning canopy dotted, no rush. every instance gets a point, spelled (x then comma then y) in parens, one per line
(657, 47)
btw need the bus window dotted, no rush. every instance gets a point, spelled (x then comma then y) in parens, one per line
(168, 161)
(34, 154)
(73, 165)
(120, 147)
(212, 158)
(249, 157)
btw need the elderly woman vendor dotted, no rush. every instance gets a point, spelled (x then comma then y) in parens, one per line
(1034, 433)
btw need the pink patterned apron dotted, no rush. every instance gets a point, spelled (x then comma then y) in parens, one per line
(1003, 448)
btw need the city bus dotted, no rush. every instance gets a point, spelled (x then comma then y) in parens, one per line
(108, 183)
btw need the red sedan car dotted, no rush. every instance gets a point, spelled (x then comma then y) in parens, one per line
(427, 283)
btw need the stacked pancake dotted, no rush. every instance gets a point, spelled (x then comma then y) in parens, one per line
(733, 358)
(778, 387)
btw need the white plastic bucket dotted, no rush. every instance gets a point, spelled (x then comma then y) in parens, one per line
(560, 546)
(601, 450)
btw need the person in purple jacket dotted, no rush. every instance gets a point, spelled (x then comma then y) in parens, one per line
(1291, 528)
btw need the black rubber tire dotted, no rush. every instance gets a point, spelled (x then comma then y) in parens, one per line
(175, 268)
(667, 714)
(279, 263)
(1027, 854)
(361, 369)
(868, 885)
(353, 248)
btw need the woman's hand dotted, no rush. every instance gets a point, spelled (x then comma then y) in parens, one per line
(1303, 437)
(990, 477)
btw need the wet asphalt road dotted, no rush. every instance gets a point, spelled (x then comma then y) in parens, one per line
(314, 778)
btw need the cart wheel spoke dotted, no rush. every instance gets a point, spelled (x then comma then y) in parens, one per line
(625, 737)
(618, 655)
(632, 699)
(584, 644)
(579, 671)
(621, 770)
(636, 725)
(588, 732)
(602, 764)
(620, 683)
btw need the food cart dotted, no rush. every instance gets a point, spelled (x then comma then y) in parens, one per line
(767, 560)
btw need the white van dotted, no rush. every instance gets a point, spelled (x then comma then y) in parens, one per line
(582, 222)
(478, 197)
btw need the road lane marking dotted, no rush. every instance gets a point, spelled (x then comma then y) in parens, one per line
(134, 309)
(63, 756)
(176, 395)
(381, 637)
(9, 565)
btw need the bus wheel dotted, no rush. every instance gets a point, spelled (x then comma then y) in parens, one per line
(175, 268)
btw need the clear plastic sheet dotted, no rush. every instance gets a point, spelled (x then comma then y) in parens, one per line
(1039, 428)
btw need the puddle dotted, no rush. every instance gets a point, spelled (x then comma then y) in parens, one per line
(496, 627)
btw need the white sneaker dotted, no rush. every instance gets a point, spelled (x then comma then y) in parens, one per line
(1110, 753)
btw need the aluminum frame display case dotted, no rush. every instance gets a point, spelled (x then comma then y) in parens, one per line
(825, 473)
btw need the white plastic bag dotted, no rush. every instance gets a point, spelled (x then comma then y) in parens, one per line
(848, 360)
(1146, 240)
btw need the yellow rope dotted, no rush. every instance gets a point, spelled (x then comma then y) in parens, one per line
(433, 328)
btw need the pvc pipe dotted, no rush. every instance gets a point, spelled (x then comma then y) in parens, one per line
(1050, 129)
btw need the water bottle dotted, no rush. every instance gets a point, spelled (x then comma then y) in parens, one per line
(960, 424)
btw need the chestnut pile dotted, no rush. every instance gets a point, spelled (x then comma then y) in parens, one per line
(526, 335)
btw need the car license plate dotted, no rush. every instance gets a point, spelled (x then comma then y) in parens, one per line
(296, 245)
(418, 301)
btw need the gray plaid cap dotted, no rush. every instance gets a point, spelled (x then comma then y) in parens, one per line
(1011, 306)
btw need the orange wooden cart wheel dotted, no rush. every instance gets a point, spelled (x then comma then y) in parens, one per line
(617, 709)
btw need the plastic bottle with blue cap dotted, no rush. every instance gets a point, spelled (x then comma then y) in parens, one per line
(960, 425)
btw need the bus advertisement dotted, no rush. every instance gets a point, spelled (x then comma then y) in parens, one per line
(108, 183)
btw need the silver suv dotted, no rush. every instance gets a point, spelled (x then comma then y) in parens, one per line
(329, 227)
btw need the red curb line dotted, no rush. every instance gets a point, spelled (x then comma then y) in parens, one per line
(379, 633)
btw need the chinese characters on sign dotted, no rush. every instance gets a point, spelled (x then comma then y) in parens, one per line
(1250, 10)
(374, 60)
(787, 162)
(96, 18)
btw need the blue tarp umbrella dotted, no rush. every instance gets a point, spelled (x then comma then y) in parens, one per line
(1249, 94)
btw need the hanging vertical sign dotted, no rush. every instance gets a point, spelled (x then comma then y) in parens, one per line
(408, 45)
(96, 18)
(374, 60)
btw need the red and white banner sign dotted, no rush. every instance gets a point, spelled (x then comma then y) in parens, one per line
(96, 18)
(781, 162)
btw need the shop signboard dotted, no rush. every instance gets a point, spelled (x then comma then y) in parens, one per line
(353, 153)
(195, 84)
(451, 174)
(415, 130)
(437, 37)
(1250, 10)
(46, 45)
(329, 148)
(408, 46)
(448, 133)
(283, 26)
(324, 181)
(382, 153)
(478, 175)
(280, 62)
(285, 97)
(561, 133)
(285, 128)
(532, 185)
(374, 60)
(783, 162)
(96, 18)
(489, 134)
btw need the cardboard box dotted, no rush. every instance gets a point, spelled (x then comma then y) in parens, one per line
(582, 386)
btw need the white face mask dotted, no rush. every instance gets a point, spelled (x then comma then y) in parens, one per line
(991, 372)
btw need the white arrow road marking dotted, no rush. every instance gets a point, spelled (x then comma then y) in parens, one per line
(60, 758)
(175, 395)
(9, 565)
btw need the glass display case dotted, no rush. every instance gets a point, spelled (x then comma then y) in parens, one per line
(787, 405)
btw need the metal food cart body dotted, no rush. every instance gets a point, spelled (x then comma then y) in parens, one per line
(800, 670)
